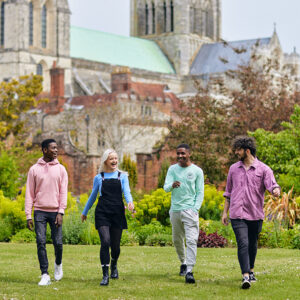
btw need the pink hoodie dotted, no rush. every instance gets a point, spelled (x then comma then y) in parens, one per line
(47, 187)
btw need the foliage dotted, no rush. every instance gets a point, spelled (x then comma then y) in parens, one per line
(281, 151)
(17, 97)
(204, 126)
(213, 203)
(155, 206)
(212, 240)
(159, 239)
(129, 166)
(6, 230)
(8, 175)
(284, 209)
(163, 173)
(24, 236)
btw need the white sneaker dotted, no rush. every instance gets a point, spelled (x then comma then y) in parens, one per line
(58, 272)
(45, 280)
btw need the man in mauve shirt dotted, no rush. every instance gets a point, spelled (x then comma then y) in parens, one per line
(47, 191)
(247, 182)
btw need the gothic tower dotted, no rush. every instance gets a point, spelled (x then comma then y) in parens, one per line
(179, 27)
(34, 34)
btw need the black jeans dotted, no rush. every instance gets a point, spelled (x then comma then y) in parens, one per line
(246, 233)
(41, 218)
(109, 237)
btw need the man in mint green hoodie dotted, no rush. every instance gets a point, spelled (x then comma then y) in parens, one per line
(47, 191)
(186, 182)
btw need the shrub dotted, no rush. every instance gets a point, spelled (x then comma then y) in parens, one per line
(144, 231)
(155, 206)
(72, 229)
(295, 242)
(213, 203)
(6, 230)
(159, 239)
(128, 238)
(212, 240)
(24, 236)
(130, 166)
(89, 234)
(163, 173)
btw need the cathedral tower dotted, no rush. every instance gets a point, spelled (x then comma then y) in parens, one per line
(33, 34)
(179, 27)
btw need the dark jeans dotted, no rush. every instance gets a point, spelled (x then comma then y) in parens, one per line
(246, 233)
(41, 218)
(109, 237)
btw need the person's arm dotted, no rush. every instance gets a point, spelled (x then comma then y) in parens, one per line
(225, 211)
(199, 191)
(92, 197)
(227, 196)
(63, 191)
(126, 188)
(168, 186)
(270, 183)
(29, 194)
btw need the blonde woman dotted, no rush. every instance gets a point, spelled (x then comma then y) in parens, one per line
(110, 219)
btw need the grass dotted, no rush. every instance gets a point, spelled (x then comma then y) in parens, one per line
(148, 273)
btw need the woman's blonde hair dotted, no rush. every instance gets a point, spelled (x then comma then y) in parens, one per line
(104, 159)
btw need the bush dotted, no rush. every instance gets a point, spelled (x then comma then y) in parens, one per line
(295, 242)
(128, 238)
(163, 173)
(89, 234)
(144, 231)
(130, 166)
(6, 230)
(154, 207)
(213, 203)
(212, 240)
(159, 239)
(72, 229)
(24, 236)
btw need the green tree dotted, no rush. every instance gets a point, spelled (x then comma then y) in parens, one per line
(163, 173)
(16, 98)
(130, 166)
(281, 151)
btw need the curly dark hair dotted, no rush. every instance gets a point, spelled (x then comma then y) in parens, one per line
(45, 143)
(244, 142)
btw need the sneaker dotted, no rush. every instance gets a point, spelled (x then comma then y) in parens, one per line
(45, 280)
(182, 270)
(246, 282)
(252, 277)
(189, 278)
(58, 272)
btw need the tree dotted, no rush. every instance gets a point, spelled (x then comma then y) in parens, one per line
(281, 151)
(130, 166)
(163, 173)
(16, 98)
(204, 126)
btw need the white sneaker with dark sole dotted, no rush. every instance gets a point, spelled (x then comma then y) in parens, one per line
(45, 280)
(58, 272)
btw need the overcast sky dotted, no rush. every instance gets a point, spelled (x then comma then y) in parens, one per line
(241, 19)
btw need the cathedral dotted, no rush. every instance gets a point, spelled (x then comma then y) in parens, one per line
(172, 44)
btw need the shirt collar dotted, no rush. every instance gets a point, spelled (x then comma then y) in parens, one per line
(254, 164)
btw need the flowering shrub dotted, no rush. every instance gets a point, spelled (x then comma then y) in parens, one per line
(212, 240)
(154, 207)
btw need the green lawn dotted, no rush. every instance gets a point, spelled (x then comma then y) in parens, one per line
(148, 273)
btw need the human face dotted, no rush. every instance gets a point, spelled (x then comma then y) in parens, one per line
(183, 157)
(241, 154)
(50, 153)
(111, 164)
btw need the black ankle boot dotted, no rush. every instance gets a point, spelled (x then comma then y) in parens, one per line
(114, 271)
(105, 279)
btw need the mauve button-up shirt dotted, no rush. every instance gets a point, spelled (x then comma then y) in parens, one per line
(246, 189)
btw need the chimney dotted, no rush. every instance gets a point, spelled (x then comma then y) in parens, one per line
(121, 79)
(57, 81)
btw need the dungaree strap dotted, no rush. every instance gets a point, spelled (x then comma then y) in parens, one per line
(102, 175)
(119, 175)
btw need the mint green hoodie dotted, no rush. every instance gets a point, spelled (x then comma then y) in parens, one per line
(191, 191)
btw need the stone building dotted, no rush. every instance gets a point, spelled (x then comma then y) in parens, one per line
(132, 83)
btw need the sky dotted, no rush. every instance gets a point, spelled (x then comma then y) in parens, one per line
(241, 19)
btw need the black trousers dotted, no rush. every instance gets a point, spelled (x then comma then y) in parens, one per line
(109, 237)
(41, 218)
(246, 233)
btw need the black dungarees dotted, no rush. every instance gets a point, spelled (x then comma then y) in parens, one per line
(110, 210)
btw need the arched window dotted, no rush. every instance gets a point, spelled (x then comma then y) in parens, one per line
(44, 26)
(147, 19)
(39, 69)
(30, 24)
(165, 16)
(172, 16)
(153, 17)
(2, 23)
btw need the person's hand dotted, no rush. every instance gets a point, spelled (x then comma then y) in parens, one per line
(131, 206)
(224, 219)
(30, 224)
(175, 184)
(59, 220)
(83, 218)
(276, 192)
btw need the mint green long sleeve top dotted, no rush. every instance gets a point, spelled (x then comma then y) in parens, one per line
(190, 194)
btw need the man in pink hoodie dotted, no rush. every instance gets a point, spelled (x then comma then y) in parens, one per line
(46, 191)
